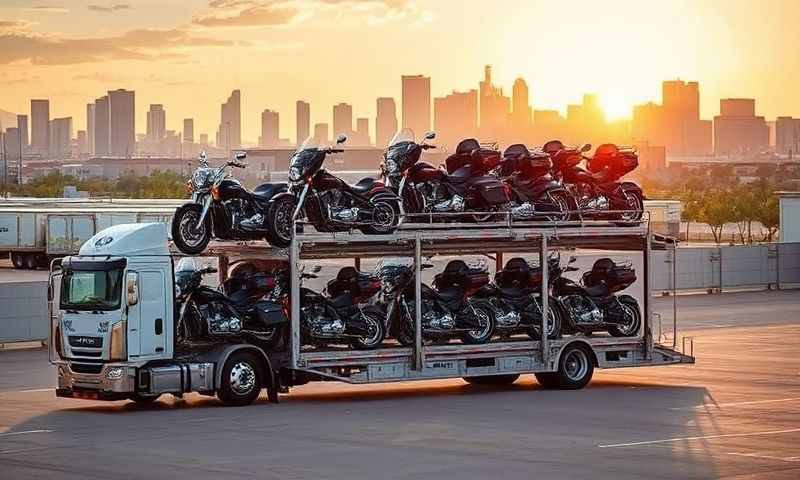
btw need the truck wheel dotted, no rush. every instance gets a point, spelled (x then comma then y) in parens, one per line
(241, 380)
(507, 379)
(17, 260)
(575, 369)
(547, 379)
(30, 261)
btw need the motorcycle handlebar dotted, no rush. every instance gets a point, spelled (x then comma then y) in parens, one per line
(237, 164)
(425, 146)
(335, 150)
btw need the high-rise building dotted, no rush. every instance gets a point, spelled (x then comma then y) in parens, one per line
(102, 127)
(520, 106)
(122, 122)
(586, 122)
(22, 125)
(303, 127)
(343, 119)
(683, 131)
(787, 136)
(11, 146)
(493, 107)
(61, 137)
(188, 130)
(204, 139)
(321, 133)
(40, 125)
(229, 134)
(81, 142)
(416, 100)
(737, 129)
(90, 128)
(270, 129)
(156, 123)
(361, 135)
(385, 121)
(455, 116)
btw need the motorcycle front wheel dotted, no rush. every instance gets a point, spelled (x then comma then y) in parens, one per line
(190, 238)
(279, 222)
(553, 323)
(484, 333)
(634, 207)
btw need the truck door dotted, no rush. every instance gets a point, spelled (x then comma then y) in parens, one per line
(147, 320)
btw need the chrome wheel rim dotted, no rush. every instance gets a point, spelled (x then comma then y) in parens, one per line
(634, 209)
(562, 206)
(483, 320)
(383, 216)
(192, 234)
(576, 365)
(242, 378)
(373, 332)
(283, 220)
(633, 325)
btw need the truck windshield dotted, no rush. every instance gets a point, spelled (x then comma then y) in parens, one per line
(91, 289)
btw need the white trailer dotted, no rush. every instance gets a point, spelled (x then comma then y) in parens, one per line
(129, 352)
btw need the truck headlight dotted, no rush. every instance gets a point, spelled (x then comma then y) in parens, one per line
(119, 350)
(115, 373)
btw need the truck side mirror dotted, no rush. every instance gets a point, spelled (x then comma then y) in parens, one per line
(132, 287)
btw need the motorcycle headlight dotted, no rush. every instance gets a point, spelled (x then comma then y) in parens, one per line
(295, 173)
(201, 179)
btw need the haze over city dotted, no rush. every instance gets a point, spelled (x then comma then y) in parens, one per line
(190, 56)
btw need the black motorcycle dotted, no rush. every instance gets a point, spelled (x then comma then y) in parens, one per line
(447, 311)
(341, 317)
(241, 310)
(462, 187)
(536, 195)
(593, 305)
(221, 207)
(328, 202)
(515, 297)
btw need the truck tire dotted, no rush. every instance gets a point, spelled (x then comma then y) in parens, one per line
(241, 380)
(31, 262)
(17, 260)
(575, 369)
(506, 379)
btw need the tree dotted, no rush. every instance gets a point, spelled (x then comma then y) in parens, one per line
(769, 215)
(692, 208)
(717, 210)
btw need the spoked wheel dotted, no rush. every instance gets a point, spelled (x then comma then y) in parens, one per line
(279, 222)
(385, 217)
(375, 332)
(561, 207)
(553, 323)
(633, 318)
(486, 320)
(189, 237)
(634, 207)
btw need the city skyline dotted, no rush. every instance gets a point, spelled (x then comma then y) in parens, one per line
(196, 51)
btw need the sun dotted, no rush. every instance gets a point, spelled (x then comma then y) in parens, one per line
(616, 105)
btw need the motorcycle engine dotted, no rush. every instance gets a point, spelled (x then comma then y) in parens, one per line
(220, 320)
(320, 324)
(505, 315)
(338, 206)
(582, 310)
(436, 199)
(433, 319)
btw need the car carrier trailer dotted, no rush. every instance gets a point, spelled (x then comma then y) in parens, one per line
(140, 361)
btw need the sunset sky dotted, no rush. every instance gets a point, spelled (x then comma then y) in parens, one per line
(189, 54)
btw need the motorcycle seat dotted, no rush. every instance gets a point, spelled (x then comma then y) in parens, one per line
(459, 176)
(450, 297)
(341, 301)
(268, 190)
(364, 185)
(240, 298)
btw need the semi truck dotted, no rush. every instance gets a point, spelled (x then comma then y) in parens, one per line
(125, 346)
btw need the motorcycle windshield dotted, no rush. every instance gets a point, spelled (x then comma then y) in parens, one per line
(403, 135)
(303, 160)
(308, 143)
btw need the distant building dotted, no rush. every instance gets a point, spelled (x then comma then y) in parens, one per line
(455, 117)
(40, 125)
(81, 143)
(737, 129)
(361, 135)
(303, 121)
(385, 121)
(61, 137)
(270, 129)
(652, 158)
(156, 123)
(787, 136)
(188, 130)
(122, 122)
(494, 109)
(416, 103)
(12, 146)
(90, 127)
(586, 122)
(229, 133)
(102, 145)
(321, 133)
(22, 125)
(343, 120)
(547, 125)
(520, 108)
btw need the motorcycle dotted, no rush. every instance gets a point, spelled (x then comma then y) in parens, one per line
(448, 311)
(462, 187)
(515, 297)
(341, 316)
(593, 305)
(221, 207)
(535, 193)
(596, 190)
(328, 202)
(242, 309)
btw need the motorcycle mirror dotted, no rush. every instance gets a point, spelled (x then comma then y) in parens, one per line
(241, 155)
(572, 259)
(316, 269)
(430, 135)
(586, 147)
(426, 265)
(341, 138)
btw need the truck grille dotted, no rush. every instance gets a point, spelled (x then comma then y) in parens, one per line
(94, 368)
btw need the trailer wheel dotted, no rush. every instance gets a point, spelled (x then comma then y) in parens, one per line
(31, 261)
(17, 260)
(506, 379)
(241, 380)
(575, 370)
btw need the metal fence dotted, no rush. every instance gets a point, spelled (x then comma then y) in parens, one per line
(23, 306)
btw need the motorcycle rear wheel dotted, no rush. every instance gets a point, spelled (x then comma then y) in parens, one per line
(386, 215)
(188, 237)
(631, 308)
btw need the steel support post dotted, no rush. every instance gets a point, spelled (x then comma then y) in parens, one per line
(294, 266)
(545, 299)
(647, 331)
(419, 357)
(674, 295)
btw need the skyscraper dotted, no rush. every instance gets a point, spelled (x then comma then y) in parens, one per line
(156, 123)
(520, 106)
(787, 136)
(737, 129)
(102, 126)
(270, 129)
(122, 122)
(385, 121)
(188, 130)
(229, 134)
(61, 137)
(455, 116)
(416, 100)
(343, 119)
(90, 128)
(684, 133)
(361, 135)
(303, 111)
(321, 133)
(80, 140)
(494, 108)
(22, 125)
(40, 125)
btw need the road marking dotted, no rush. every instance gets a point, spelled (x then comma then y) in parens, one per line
(24, 432)
(683, 439)
(736, 404)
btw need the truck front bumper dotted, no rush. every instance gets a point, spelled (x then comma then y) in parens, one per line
(114, 382)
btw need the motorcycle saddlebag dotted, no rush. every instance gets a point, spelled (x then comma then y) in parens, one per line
(611, 157)
(616, 276)
(535, 166)
(493, 192)
(270, 313)
(457, 272)
(516, 272)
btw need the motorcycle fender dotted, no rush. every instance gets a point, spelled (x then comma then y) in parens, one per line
(632, 187)
(206, 205)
